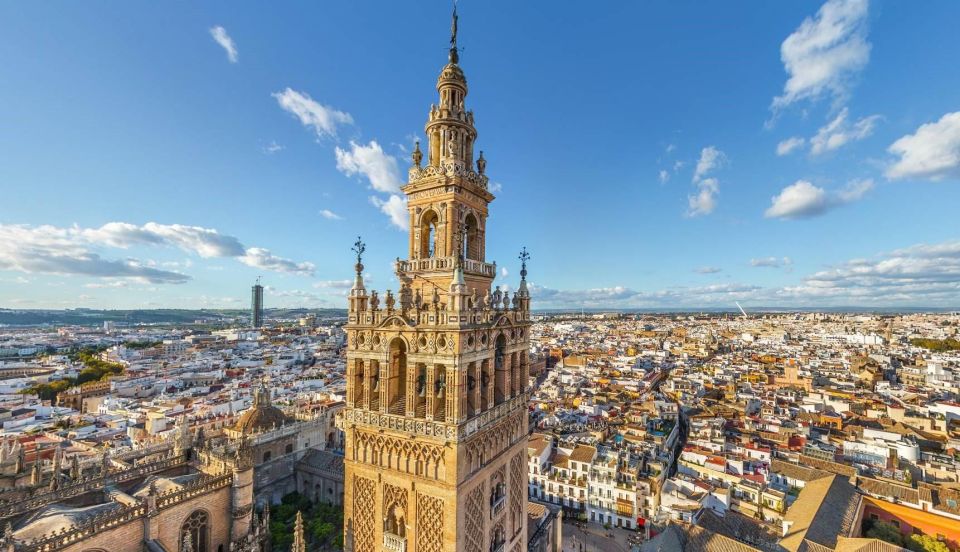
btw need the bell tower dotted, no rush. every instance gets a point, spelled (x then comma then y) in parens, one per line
(437, 374)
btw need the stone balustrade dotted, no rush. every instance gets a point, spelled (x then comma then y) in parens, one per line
(203, 485)
(470, 266)
(88, 484)
(430, 428)
(105, 521)
(394, 543)
(449, 169)
(415, 317)
(96, 525)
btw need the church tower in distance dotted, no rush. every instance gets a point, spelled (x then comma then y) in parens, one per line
(436, 416)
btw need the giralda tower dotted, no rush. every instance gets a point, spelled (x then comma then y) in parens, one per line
(436, 417)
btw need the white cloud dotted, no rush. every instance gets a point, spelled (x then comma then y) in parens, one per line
(328, 214)
(259, 257)
(625, 297)
(787, 146)
(707, 270)
(854, 190)
(838, 132)
(54, 250)
(705, 200)
(825, 52)
(205, 242)
(504, 272)
(664, 176)
(296, 296)
(334, 284)
(800, 199)
(710, 159)
(771, 262)
(921, 275)
(221, 37)
(803, 199)
(933, 151)
(395, 207)
(108, 284)
(272, 147)
(371, 162)
(495, 187)
(322, 119)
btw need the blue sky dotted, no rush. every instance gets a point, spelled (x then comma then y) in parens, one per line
(655, 154)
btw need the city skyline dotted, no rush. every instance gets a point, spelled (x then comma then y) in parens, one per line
(672, 157)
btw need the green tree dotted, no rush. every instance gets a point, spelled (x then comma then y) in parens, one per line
(886, 532)
(926, 543)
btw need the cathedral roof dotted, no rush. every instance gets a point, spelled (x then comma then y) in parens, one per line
(59, 516)
(262, 416)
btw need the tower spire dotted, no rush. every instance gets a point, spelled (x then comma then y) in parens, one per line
(454, 55)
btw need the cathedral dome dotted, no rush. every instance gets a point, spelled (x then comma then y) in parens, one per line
(262, 416)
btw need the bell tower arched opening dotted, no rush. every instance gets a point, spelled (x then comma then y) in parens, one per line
(397, 389)
(429, 224)
(471, 238)
(500, 369)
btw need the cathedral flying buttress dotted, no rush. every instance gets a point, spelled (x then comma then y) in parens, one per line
(437, 373)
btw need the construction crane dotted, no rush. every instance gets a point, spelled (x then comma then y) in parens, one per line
(741, 309)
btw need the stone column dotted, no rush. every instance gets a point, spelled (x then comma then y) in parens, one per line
(413, 372)
(455, 395)
(477, 386)
(386, 375)
(514, 373)
(367, 382)
(430, 390)
(491, 382)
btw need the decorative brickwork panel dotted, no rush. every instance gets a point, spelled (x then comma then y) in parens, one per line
(518, 492)
(429, 523)
(474, 516)
(364, 500)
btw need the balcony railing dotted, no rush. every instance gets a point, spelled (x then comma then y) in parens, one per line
(470, 266)
(497, 506)
(395, 543)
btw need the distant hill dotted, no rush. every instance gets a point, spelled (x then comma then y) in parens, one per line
(94, 317)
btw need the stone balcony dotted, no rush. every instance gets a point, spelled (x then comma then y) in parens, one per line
(497, 506)
(449, 430)
(449, 168)
(437, 264)
(394, 543)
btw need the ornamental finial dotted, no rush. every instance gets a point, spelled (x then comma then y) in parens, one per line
(524, 257)
(359, 247)
(417, 155)
(454, 56)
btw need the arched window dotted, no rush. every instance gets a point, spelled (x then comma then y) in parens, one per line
(428, 234)
(471, 238)
(394, 522)
(397, 389)
(289, 449)
(197, 527)
(499, 371)
(266, 456)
